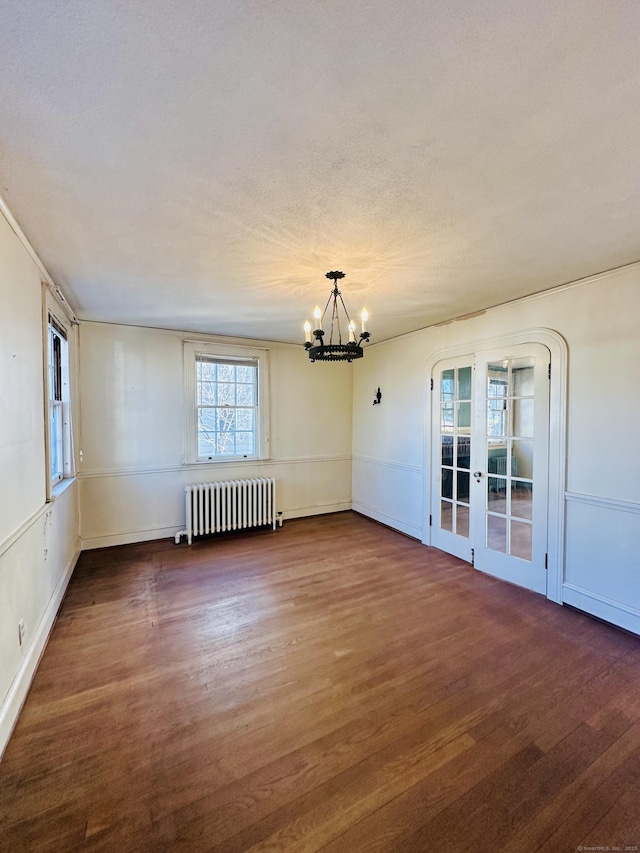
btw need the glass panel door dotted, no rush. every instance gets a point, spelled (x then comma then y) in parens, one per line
(489, 461)
(510, 464)
(451, 461)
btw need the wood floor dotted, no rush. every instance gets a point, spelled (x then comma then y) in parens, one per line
(331, 686)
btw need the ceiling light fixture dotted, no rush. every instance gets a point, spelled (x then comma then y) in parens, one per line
(318, 350)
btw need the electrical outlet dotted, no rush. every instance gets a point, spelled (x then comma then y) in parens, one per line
(21, 631)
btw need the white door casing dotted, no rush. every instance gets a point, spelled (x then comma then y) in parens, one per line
(549, 506)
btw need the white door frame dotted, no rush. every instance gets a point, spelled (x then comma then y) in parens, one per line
(557, 346)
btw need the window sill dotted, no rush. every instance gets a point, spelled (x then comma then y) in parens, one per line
(60, 488)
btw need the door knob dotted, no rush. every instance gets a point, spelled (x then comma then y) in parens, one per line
(477, 475)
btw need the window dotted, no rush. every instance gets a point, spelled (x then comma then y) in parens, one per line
(58, 398)
(227, 403)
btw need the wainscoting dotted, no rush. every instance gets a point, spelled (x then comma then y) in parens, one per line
(124, 506)
(36, 564)
(602, 558)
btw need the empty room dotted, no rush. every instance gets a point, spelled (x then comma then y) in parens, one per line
(320, 363)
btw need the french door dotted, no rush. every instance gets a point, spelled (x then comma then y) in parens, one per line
(490, 461)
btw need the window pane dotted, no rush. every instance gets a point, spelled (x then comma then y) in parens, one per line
(56, 441)
(462, 520)
(464, 418)
(206, 445)
(521, 499)
(522, 459)
(464, 452)
(446, 483)
(245, 443)
(244, 419)
(447, 384)
(225, 444)
(497, 382)
(497, 494)
(447, 449)
(246, 374)
(226, 372)
(225, 419)
(245, 395)
(496, 418)
(497, 461)
(521, 540)
(205, 371)
(207, 420)
(497, 533)
(206, 393)
(464, 383)
(226, 394)
(462, 486)
(522, 377)
(522, 418)
(446, 515)
(446, 418)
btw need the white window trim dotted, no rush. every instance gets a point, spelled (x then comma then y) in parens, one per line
(259, 354)
(52, 308)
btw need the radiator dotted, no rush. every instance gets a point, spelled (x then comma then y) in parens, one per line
(229, 505)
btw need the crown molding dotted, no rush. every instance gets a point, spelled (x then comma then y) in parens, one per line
(44, 273)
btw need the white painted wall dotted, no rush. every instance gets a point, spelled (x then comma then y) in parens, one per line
(598, 318)
(39, 541)
(133, 426)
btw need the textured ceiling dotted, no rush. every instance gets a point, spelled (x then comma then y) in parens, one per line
(200, 164)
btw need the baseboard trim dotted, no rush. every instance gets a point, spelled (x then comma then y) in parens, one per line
(604, 608)
(316, 509)
(12, 705)
(388, 520)
(130, 537)
(134, 536)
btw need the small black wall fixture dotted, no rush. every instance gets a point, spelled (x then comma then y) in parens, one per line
(376, 402)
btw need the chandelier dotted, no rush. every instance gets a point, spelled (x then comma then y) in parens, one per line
(335, 350)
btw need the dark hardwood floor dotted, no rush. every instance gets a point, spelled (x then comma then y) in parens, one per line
(331, 686)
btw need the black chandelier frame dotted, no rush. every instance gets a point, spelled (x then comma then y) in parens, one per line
(331, 351)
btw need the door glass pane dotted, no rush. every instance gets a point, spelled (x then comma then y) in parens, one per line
(464, 383)
(497, 494)
(497, 533)
(522, 459)
(464, 418)
(446, 483)
(497, 378)
(522, 425)
(497, 460)
(447, 384)
(446, 515)
(462, 520)
(497, 417)
(447, 450)
(464, 451)
(522, 373)
(521, 540)
(446, 418)
(521, 499)
(462, 485)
